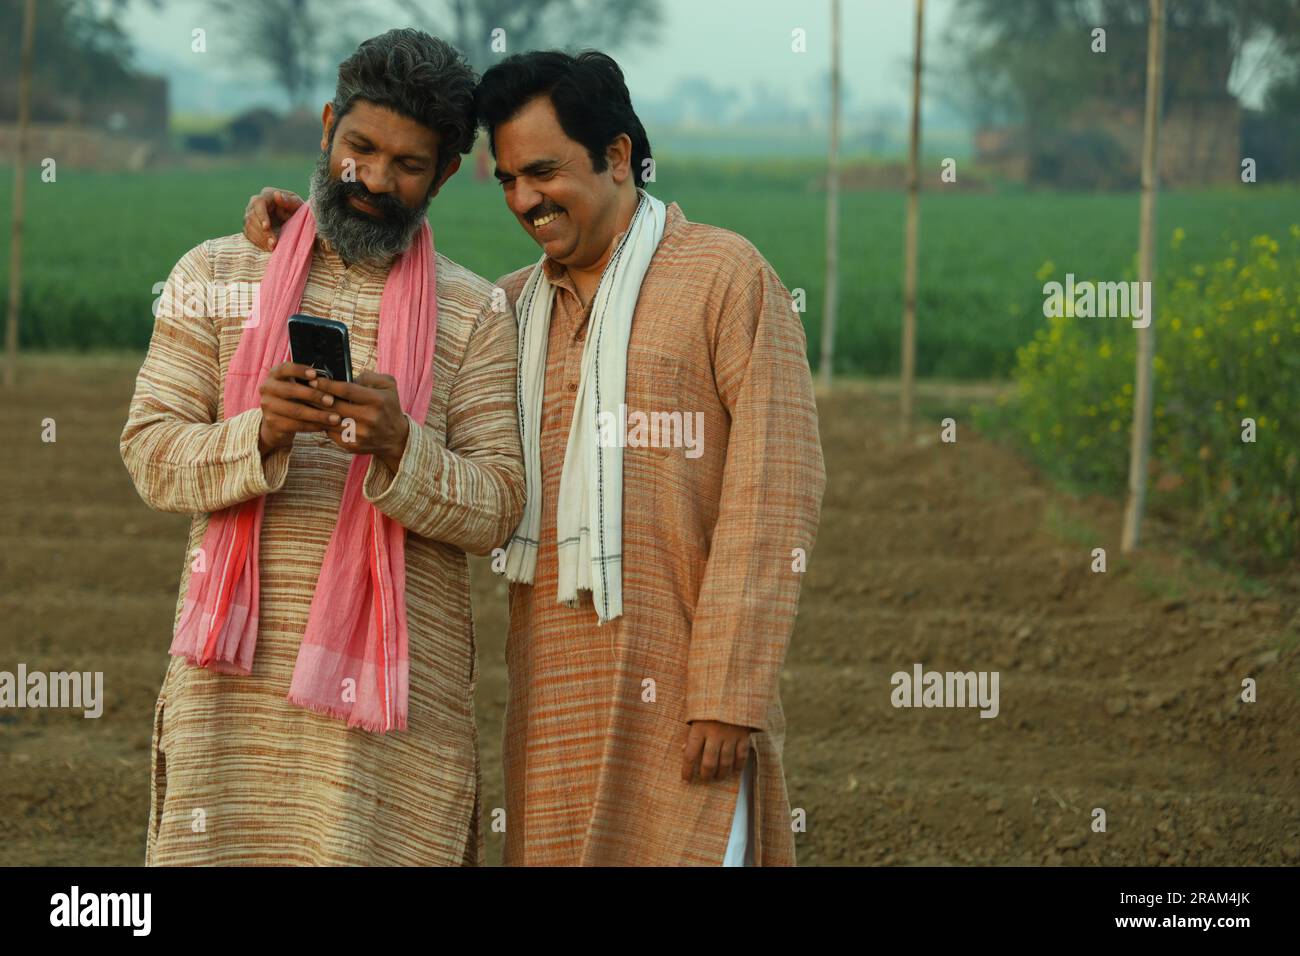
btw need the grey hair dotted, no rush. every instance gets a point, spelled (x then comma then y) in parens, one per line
(419, 76)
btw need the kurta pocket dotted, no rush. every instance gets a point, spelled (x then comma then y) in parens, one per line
(657, 418)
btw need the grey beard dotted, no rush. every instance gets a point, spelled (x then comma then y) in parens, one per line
(355, 236)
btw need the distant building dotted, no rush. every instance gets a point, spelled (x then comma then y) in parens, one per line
(122, 125)
(264, 130)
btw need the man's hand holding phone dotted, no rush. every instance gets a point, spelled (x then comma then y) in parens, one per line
(289, 408)
(373, 422)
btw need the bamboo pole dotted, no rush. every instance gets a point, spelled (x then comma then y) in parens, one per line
(20, 195)
(1143, 389)
(832, 210)
(908, 384)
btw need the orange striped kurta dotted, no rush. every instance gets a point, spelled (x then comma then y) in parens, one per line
(592, 764)
(240, 775)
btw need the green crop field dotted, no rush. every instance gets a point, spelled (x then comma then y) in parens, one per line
(98, 243)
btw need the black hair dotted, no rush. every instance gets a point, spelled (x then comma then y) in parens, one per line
(587, 90)
(420, 77)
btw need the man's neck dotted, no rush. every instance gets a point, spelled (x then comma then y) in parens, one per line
(587, 279)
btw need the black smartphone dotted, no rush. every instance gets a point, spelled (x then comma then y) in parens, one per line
(321, 344)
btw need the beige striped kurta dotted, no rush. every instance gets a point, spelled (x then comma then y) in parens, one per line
(592, 764)
(240, 775)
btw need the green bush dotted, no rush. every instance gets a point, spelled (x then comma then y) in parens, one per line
(1227, 349)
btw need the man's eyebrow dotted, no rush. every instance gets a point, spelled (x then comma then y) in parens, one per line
(364, 140)
(532, 169)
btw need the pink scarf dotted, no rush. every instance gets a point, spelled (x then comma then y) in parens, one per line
(353, 662)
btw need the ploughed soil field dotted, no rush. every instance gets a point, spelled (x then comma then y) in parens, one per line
(1118, 691)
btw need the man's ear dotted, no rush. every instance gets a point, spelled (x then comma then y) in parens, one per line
(619, 156)
(446, 175)
(327, 124)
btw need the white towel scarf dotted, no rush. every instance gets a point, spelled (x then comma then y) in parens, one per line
(589, 515)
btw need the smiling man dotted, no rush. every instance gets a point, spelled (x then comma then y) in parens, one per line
(654, 585)
(654, 591)
(319, 704)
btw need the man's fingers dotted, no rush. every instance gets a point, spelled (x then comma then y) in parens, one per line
(264, 214)
(283, 381)
(353, 392)
(289, 386)
(260, 207)
(726, 758)
(291, 370)
(282, 425)
(298, 412)
(256, 227)
(287, 202)
(742, 754)
(290, 390)
(709, 760)
(691, 751)
(358, 413)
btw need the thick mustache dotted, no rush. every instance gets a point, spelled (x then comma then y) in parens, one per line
(541, 209)
(386, 203)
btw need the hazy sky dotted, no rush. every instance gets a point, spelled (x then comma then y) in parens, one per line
(736, 43)
(745, 42)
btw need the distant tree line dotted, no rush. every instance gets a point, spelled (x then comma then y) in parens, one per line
(1032, 63)
(81, 58)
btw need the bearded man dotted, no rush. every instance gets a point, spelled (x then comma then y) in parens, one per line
(318, 708)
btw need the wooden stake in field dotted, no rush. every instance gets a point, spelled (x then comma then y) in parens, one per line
(908, 383)
(1143, 389)
(832, 208)
(20, 190)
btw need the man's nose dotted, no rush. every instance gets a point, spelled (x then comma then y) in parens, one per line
(523, 198)
(376, 177)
